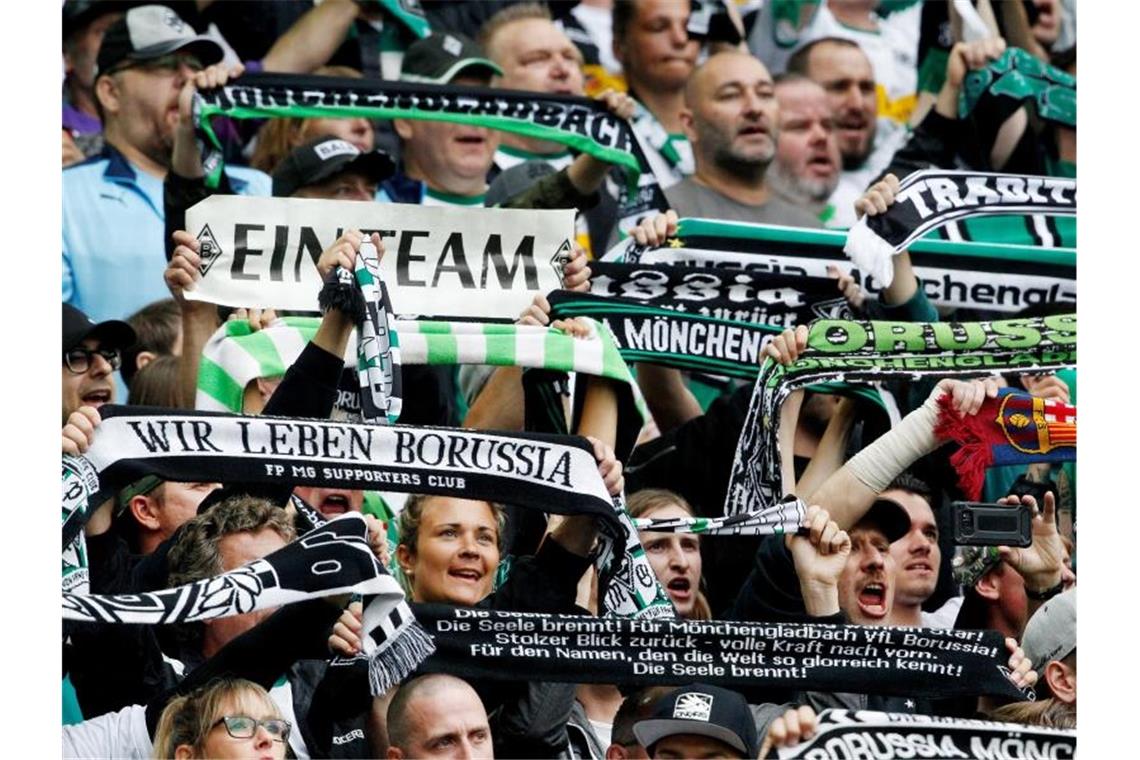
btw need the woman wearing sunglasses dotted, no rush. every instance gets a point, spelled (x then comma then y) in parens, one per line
(227, 718)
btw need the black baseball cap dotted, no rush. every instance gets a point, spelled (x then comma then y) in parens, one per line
(890, 517)
(78, 14)
(78, 327)
(319, 159)
(703, 710)
(439, 58)
(152, 31)
(515, 181)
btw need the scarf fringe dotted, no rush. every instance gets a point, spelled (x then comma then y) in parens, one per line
(389, 666)
(973, 457)
(344, 296)
(870, 253)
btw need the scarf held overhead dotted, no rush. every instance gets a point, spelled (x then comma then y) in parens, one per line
(933, 197)
(869, 351)
(475, 643)
(467, 262)
(1019, 77)
(845, 734)
(1013, 429)
(953, 274)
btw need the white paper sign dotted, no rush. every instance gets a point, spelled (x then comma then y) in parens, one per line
(439, 261)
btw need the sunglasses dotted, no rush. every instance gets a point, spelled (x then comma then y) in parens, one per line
(244, 727)
(78, 360)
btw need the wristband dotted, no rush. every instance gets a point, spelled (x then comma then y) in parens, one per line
(1047, 594)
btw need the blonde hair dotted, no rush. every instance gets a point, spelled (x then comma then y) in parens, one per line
(278, 137)
(650, 499)
(1050, 713)
(188, 719)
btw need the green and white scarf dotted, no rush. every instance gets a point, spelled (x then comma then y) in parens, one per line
(953, 274)
(1019, 77)
(870, 351)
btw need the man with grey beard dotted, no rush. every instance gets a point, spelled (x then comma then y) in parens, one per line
(731, 119)
(806, 168)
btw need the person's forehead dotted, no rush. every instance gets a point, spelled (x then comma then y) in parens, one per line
(237, 549)
(802, 99)
(447, 708)
(734, 68)
(530, 34)
(648, 10)
(917, 507)
(831, 60)
(867, 531)
(446, 510)
(694, 745)
(250, 703)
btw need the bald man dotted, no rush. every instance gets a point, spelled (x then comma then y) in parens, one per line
(438, 716)
(731, 119)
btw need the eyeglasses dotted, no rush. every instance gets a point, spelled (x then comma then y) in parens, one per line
(168, 64)
(244, 727)
(78, 360)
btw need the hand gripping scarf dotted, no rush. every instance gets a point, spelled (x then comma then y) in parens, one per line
(548, 472)
(752, 657)
(1016, 77)
(844, 734)
(1013, 429)
(953, 274)
(869, 351)
(930, 198)
(578, 123)
(333, 558)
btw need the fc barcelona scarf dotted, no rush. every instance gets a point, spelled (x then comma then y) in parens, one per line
(333, 558)
(870, 351)
(930, 198)
(953, 273)
(1013, 429)
(1016, 77)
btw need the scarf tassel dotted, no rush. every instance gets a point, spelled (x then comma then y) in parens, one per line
(974, 456)
(388, 666)
(340, 292)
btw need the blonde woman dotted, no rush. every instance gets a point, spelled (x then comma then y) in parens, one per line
(227, 718)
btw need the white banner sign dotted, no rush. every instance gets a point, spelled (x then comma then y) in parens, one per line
(439, 261)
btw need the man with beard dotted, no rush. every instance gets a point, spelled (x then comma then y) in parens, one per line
(806, 168)
(113, 219)
(866, 143)
(731, 118)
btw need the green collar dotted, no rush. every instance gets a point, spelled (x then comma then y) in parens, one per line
(527, 155)
(455, 200)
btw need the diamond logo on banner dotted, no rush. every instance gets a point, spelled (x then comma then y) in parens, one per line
(208, 250)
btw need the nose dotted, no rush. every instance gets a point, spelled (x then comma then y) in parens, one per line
(873, 558)
(559, 69)
(100, 367)
(853, 96)
(678, 34)
(262, 737)
(678, 558)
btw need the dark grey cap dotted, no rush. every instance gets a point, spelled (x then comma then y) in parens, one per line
(443, 56)
(319, 159)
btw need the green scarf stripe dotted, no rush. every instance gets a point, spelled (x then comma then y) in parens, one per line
(502, 345)
(442, 349)
(416, 23)
(1019, 76)
(216, 383)
(264, 352)
(836, 240)
(559, 353)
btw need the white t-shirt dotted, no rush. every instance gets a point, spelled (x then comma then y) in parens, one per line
(889, 137)
(944, 616)
(119, 734)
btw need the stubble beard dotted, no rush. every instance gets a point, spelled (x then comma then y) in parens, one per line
(801, 189)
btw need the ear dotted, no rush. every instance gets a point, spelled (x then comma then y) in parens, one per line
(145, 511)
(687, 127)
(1062, 681)
(616, 752)
(183, 752)
(394, 753)
(404, 559)
(107, 92)
(265, 388)
(403, 128)
(987, 587)
(144, 358)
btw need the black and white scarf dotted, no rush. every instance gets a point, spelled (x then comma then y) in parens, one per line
(953, 273)
(332, 558)
(846, 734)
(870, 351)
(745, 655)
(549, 472)
(930, 198)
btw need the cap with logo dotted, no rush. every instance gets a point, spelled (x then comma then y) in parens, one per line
(152, 31)
(1051, 634)
(320, 159)
(78, 327)
(702, 710)
(441, 57)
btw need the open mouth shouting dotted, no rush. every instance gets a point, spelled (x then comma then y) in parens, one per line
(96, 397)
(680, 589)
(472, 575)
(334, 504)
(872, 599)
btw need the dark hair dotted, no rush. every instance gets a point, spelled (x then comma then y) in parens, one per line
(799, 63)
(622, 16)
(906, 481)
(156, 329)
(636, 707)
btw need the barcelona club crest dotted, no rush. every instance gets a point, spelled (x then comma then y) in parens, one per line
(1037, 426)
